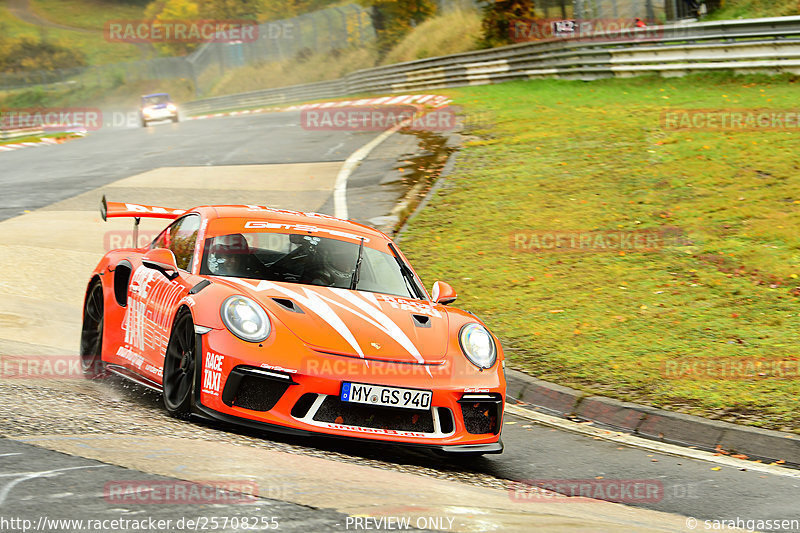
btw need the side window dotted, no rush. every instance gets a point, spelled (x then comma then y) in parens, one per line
(181, 238)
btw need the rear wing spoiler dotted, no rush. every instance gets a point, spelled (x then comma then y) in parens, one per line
(137, 211)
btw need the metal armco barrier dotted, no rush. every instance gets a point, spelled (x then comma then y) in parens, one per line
(770, 46)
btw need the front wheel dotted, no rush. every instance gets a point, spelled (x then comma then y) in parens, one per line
(179, 367)
(92, 332)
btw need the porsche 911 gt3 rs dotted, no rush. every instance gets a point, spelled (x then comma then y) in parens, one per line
(295, 322)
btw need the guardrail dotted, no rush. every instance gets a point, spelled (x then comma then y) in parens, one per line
(769, 45)
(7, 135)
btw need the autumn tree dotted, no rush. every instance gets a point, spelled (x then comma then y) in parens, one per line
(498, 17)
(393, 19)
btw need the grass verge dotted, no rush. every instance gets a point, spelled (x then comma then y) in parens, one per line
(88, 14)
(561, 156)
(92, 44)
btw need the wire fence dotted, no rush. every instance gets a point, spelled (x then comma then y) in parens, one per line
(325, 30)
(320, 31)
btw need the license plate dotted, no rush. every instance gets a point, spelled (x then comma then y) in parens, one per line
(386, 396)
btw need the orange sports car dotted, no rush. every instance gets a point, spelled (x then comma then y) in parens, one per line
(296, 322)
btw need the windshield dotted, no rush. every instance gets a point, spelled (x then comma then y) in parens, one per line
(299, 258)
(156, 99)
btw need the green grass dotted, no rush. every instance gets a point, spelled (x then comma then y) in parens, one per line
(93, 45)
(88, 14)
(745, 9)
(559, 155)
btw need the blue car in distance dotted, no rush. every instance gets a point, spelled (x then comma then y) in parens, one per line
(157, 107)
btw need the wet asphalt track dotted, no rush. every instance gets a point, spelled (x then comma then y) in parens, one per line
(36, 177)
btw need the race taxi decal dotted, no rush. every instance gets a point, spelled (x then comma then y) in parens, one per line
(417, 307)
(212, 373)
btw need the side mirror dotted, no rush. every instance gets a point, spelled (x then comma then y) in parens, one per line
(163, 260)
(443, 293)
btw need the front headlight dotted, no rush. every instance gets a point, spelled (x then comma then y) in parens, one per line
(245, 318)
(478, 345)
(172, 107)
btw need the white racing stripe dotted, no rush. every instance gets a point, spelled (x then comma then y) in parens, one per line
(364, 309)
(314, 303)
(388, 326)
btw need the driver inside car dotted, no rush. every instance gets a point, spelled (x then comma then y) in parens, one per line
(336, 261)
(229, 256)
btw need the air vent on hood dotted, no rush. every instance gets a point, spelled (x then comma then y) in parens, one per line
(422, 321)
(288, 304)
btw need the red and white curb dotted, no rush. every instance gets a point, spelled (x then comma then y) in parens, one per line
(427, 100)
(43, 142)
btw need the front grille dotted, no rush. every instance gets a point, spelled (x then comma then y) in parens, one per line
(482, 413)
(333, 410)
(254, 389)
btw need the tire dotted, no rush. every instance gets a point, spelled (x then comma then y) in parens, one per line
(179, 367)
(175, 120)
(92, 332)
(144, 123)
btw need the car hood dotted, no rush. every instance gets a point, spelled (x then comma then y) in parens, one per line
(355, 323)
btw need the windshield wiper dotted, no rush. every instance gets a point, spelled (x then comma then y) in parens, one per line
(408, 275)
(357, 271)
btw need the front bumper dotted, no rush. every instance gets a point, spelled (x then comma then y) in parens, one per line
(299, 395)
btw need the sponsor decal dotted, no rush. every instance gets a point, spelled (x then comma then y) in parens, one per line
(152, 210)
(376, 431)
(154, 370)
(262, 224)
(212, 373)
(413, 306)
(251, 207)
(152, 298)
(129, 355)
(278, 368)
